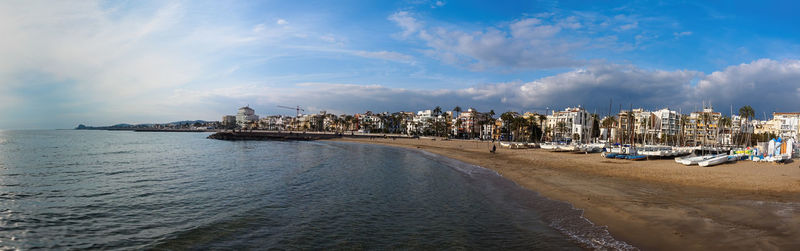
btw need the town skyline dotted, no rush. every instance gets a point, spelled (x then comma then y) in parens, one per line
(101, 63)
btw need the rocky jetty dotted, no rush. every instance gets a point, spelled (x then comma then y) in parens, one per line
(271, 136)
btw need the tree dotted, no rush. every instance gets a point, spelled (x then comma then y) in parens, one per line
(747, 112)
(684, 122)
(437, 111)
(706, 118)
(457, 109)
(725, 122)
(609, 122)
(595, 126)
(543, 122)
(508, 121)
(561, 128)
(519, 124)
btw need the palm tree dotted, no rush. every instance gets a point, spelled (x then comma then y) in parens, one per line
(437, 111)
(519, 124)
(747, 112)
(457, 109)
(725, 122)
(608, 122)
(543, 122)
(706, 118)
(684, 122)
(643, 124)
(595, 131)
(561, 128)
(508, 121)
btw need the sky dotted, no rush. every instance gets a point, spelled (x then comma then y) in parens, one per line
(64, 63)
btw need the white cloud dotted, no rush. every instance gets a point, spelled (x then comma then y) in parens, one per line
(765, 83)
(758, 83)
(409, 24)
(539, 41)
(385, 55)
(84, 60)
(281, 22)
(528, 44)
(681, 34)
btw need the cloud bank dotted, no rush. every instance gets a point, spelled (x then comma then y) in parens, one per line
(759, 84)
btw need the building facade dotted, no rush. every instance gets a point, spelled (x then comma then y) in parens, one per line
(571, 122)
(246, 116)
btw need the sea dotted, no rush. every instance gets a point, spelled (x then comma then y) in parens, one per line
(124, 190)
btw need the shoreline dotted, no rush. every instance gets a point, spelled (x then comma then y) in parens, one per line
(655, 204)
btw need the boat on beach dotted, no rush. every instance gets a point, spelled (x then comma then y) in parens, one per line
(591, 148)
(716, 160)
(693, 160)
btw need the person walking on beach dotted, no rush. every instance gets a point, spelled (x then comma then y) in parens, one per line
(494, 148)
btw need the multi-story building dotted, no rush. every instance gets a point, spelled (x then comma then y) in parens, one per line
(787, 123)
(369, 122)
(571, 122)
(228, 121)
(702, 126)
(246, 116)
(766, 126)
(666, 122)
(424, 122)
(739, 128)
(274, 123)
(469, 123)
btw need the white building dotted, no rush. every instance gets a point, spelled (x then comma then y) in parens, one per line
(423, 122)
(666, 122)
(576, 121)
(246, 115)
(787, 123)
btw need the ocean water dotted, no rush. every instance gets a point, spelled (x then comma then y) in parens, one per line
(148, 190)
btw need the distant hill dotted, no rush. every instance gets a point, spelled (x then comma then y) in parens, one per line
(138, 126)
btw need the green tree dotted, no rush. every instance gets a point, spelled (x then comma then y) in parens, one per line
(706, 119)
(561, 128)
(724, 125)
(508, 122)
(747, 113)
(543, 123)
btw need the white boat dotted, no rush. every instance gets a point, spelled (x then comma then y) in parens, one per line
(693, 160)
(591, 148)
(719, 159)
(777, 158)
(548, 146)
(566, 148)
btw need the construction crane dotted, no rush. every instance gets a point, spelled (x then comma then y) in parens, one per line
(298, 109)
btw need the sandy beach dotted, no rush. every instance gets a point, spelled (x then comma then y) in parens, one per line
(654, 204)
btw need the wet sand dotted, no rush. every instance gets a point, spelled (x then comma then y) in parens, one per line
(654, 204)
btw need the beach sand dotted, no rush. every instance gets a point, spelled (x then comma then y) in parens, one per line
(654, 204)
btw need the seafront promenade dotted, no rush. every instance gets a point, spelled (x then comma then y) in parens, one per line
(293, 135)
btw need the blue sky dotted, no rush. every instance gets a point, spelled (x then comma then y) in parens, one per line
(98, 62)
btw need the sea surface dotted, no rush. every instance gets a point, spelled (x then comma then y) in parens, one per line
(69, 189)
